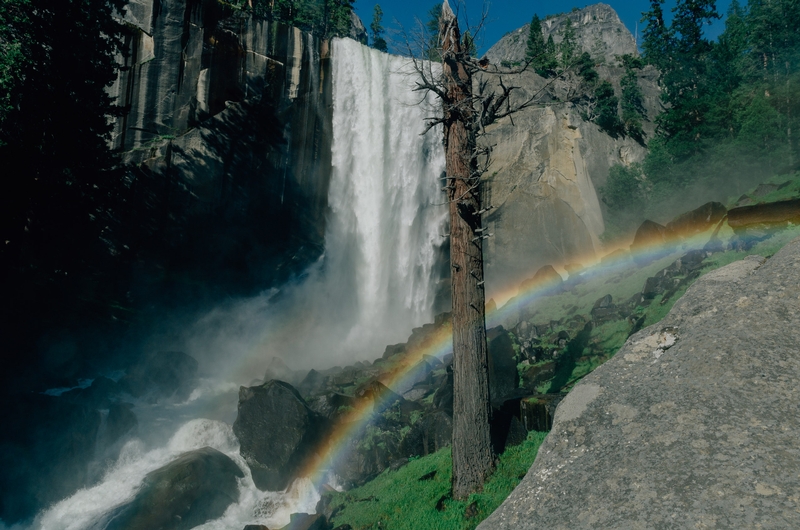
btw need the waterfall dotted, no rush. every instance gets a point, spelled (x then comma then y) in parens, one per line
(386, 220)
(374, 283)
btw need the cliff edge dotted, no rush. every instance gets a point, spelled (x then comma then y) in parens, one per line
(693, 424)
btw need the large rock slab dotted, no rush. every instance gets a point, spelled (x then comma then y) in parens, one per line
(693, 424)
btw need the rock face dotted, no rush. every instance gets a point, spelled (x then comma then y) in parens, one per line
(232, 116)
(277, 431)
(549, 163)
(695, 417)
(598, 30)
(196, 487)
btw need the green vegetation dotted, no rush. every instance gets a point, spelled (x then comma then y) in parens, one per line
(326, 18)
(730, 106)
(416, 497)
(378, 42)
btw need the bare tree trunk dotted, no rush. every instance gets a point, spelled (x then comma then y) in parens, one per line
(473, 458)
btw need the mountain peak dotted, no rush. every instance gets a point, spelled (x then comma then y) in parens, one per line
(598, 30)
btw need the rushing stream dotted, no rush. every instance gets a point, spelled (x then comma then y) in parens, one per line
(375, 282)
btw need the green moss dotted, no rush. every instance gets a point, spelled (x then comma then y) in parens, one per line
(400, 500)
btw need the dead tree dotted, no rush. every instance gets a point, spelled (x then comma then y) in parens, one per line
(473, 95)
(473, 458)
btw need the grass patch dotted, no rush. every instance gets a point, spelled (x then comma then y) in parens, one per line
(403, 500)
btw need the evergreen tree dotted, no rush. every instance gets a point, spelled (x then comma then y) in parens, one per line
(433, 52)
(376, 27)
(568, 46)
(534, 52)
(632, 101)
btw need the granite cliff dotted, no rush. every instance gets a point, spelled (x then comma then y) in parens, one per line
(550, 160)
(232, 115)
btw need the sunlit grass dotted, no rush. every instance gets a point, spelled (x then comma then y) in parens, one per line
(407, 499)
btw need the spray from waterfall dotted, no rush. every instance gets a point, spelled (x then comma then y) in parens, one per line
(375, 282)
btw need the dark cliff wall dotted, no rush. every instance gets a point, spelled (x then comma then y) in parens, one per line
(227, 130)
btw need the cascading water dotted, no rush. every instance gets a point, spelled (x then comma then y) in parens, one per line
(385, 225)
(375, 282)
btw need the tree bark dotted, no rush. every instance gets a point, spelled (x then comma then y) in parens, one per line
(473, 458)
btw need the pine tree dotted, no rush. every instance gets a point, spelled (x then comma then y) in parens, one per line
(535, 50)
(376, 27)
(568, 46)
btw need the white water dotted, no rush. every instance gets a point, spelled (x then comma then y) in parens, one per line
(385, 196)
(375, 282)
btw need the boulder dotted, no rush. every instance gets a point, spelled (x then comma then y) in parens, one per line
(764, 215)
(277, 432)
(546, 279)
(196, 487)
(313, 383)
(604, 310)
(696, 416)
(698, 220)
(162, 374)
(650, 241)
(503, 378)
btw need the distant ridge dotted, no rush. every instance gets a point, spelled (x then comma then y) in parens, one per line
(598, 30)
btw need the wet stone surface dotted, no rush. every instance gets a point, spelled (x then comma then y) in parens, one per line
(693, 424)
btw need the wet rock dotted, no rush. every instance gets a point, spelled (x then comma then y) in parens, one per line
(503, 378)
(255, 527)
(277, 431)
(537, 412)
(196, 487)
(697, 220)
(163, 374)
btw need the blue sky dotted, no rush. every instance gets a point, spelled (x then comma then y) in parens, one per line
(506, 15)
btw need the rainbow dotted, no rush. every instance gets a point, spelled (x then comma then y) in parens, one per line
(352, 425)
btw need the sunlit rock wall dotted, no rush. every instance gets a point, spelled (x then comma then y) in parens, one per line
(549, 162)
